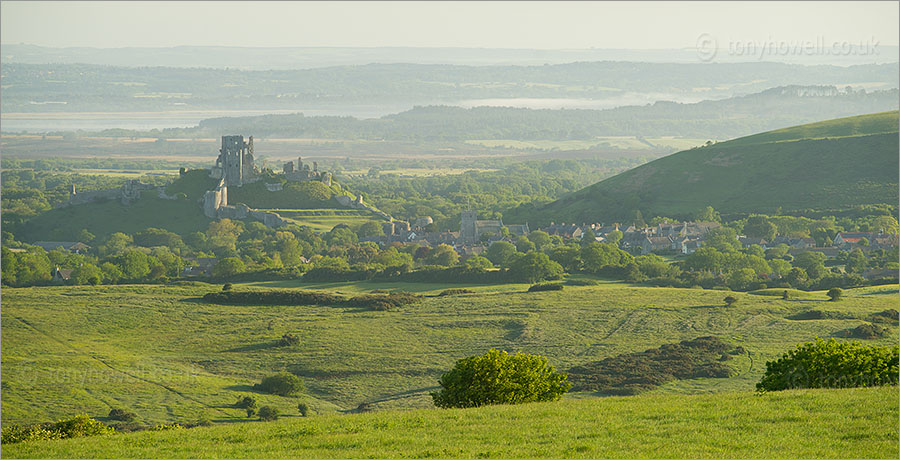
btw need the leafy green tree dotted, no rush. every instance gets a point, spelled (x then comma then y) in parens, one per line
(500, 378)
(595, 256)
(723, 238)
(135, 265)
(730, 300)
(835, 294)
(523, 244)
(478, 263)
(391, 257)
(759, 226)
(567, 257)
(708, 214)
(614, 237)
(228, 266)
(539, 238)
(282, 384)
(341, 235)
(741, 279)
(333, 263)
(87, 274)
(115, 244)
(112, 274)
(500, 253)
(812, 262)
(705, 259)
(223, 233)
(268, 413)
(534, 267)
(443, 255)
(370, 228)
(856, 261)
(831, 364)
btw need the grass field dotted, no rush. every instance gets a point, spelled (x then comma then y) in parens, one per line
(323, 220)
(848, 423)
(166, 355)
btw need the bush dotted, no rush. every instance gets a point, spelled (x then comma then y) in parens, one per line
(545, 287)
(122, 415)
(500, 378)
(831, 364)
(730, 300)
(245, 402)
(454, 292)
(582, 282)
(288, 340)
(272, 297)
(282, 384)
(303, 408)
(227, 287)
(384, 301)
(835, 294)
(268, 413)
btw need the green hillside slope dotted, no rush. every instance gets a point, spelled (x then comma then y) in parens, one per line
(828, 165)
(166, 355)
(847, 423)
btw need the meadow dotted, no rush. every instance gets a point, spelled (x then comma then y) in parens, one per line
(847, 423)
(163, 353)
(323, 220)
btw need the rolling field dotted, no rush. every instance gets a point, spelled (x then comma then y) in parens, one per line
(620, 142)
(163, 353)
(323, 220)
(848, 423)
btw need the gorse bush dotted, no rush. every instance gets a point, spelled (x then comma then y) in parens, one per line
(282, 384)
(245, 402)
(500, 378)
(831, 364)
(288, 340)
(75, 427)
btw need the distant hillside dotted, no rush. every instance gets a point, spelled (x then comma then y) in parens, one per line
(833, 164)
(712, 119)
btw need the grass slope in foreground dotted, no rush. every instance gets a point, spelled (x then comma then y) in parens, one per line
(832, 164)
(161, 352)
(848, 423)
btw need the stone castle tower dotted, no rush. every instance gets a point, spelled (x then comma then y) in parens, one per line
(236, 161)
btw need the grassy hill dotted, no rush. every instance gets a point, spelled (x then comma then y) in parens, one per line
(847, 423)
(833, 164)
(163, 353)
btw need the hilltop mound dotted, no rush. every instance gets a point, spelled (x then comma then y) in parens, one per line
(833, 164)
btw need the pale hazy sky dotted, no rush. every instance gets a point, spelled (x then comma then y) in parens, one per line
(547, 25)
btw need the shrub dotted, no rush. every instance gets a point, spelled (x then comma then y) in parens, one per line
(226, 287)
(122, 415)
(582, 282)
(730, 300)
(384, 301)
(454, 292)
(831, 364)
(303, 408)
(272, 297)
(251, 411)
(245, 402)
(500, 378)
(268, 413)
(282, 384)
(288, 340)
(82, 425)
(545, 287)
(835, 294)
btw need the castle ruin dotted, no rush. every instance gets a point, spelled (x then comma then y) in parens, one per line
(235, 164)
